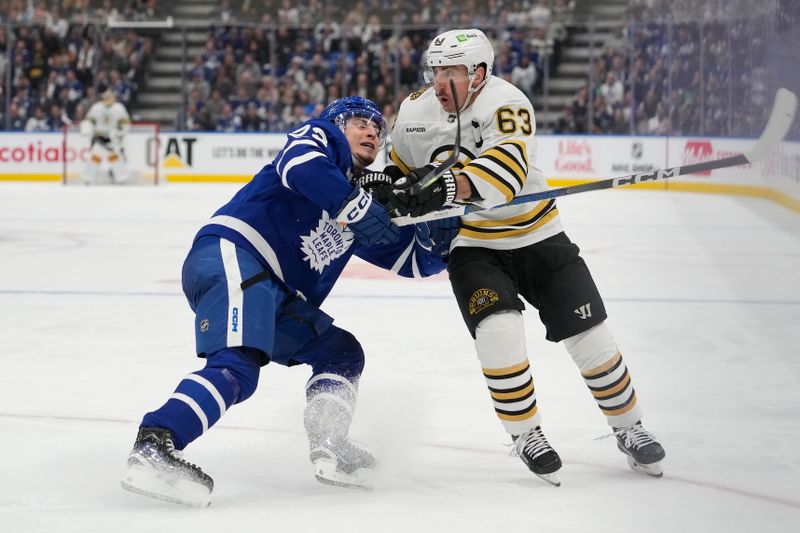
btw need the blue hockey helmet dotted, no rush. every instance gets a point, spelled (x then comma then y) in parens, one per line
(339, 111)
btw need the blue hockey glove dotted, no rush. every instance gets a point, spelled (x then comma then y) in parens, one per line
(436, 235)
(438, 194)
(367, 219)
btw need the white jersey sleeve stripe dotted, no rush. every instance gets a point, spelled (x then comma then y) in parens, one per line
(414, 265)
(299, 160)
(402, 259)
(298, 142)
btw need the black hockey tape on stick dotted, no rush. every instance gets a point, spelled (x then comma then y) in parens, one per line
(780, 120)
(448, 163)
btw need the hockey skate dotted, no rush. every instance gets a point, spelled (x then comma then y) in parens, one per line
(156, 469)
(642, 449)
(340, 462)
(537, 454)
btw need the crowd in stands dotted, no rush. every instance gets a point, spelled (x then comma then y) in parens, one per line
(676, 67)
(256, 79)
(686, 68)
(60, 61)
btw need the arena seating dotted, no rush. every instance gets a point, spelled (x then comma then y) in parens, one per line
(61, 59)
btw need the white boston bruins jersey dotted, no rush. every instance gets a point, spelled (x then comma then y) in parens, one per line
(108, 119)
(498, 154)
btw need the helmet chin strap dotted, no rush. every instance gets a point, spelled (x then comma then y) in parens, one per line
(471, 91)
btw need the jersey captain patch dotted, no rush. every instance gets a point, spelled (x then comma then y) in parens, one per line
(325, 243)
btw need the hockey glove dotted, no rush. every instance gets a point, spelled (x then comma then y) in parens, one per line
(367, 219)
(436, 235)
(378, 184)
(438, 194)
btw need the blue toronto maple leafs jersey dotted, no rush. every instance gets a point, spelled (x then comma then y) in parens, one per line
(286, 215)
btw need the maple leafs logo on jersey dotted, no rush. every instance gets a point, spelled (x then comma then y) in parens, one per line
(326, 243)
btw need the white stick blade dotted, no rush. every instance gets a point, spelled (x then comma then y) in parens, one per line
(433, 215)
(780, 120)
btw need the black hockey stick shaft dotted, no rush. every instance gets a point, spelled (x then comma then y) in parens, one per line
(624, 181)
(780, 120)
(448, 163)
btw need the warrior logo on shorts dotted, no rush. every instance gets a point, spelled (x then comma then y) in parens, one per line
(481, 299)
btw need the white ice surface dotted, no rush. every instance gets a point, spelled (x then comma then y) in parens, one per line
(703, 297)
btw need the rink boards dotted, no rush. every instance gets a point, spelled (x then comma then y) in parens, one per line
(565, 160)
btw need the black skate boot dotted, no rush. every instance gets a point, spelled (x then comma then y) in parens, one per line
(537, 454)
(643, 450)
(155, 469)
(338, 461)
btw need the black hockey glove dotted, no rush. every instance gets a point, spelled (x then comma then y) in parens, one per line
(436, 235)
(438, 194)
(367, 219)
(378, 184)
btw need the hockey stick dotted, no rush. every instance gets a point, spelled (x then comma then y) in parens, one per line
(780, 120)
(448, 163)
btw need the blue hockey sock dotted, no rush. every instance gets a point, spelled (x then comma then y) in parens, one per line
(201, 398)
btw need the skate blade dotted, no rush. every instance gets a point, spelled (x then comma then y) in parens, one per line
(149, 482)
(325, 471)
(553, 478)
(652, 470)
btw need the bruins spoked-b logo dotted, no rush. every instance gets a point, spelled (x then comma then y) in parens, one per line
(481, 299)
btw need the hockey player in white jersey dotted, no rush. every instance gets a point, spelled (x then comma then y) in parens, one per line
(107, 123)
(501, 254)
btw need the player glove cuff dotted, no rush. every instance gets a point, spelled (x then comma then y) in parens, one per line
(440, 193)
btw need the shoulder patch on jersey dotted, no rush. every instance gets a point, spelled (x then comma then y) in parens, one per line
(326, 243)
(417, 94)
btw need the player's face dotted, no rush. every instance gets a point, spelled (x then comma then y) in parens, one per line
(441, 84)
(364, 138)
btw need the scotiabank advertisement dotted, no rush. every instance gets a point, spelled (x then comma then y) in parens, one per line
(46, 156)
(219, 157)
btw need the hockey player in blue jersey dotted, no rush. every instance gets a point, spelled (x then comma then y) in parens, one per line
(255, 277)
